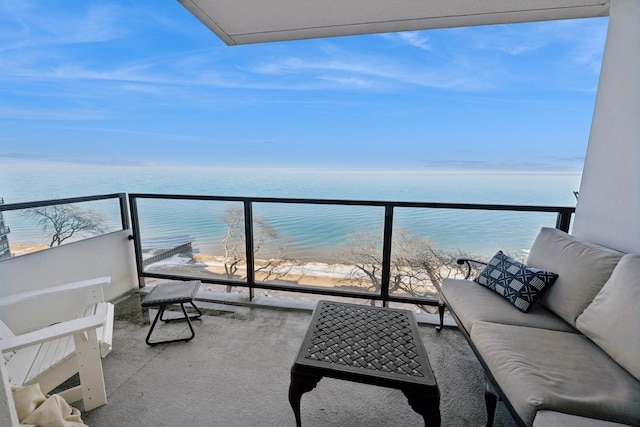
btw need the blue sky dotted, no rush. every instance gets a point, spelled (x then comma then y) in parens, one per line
(144, 82)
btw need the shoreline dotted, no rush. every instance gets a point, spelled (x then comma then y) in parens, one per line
(26, 248)
(302, 273)
(294, 272)
(311, 274)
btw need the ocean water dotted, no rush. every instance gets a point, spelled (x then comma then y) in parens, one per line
(306, 232)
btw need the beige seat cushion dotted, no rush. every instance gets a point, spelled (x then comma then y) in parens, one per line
(471, 302)
(612, 320)
(550, 370)
(582, 269)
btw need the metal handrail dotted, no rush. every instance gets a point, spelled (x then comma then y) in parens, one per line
(122, 197)
(563, 222)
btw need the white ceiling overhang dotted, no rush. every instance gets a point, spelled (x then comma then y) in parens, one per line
(257, 21)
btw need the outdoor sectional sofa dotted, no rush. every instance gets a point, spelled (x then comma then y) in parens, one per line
(561, 353)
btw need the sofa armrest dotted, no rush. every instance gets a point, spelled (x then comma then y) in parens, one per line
(469, 261)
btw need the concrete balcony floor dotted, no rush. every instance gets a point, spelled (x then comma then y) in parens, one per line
(235, 372)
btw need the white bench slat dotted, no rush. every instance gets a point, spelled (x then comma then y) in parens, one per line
(41, 357)
(34, 360)
(18, 367)
(50, 355)
(47, 355)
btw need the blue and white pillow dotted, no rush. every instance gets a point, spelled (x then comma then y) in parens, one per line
(519, 284)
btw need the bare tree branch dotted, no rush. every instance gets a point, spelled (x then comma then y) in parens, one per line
(63, 222)
(234, 244)
(417, 266)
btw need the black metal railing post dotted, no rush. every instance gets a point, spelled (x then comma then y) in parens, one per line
(563, 221)
(387, 241)
(249, 251)
(135, 236)
(124, 211)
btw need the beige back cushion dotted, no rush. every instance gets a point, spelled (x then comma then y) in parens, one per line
(582, 269)
(612, 320)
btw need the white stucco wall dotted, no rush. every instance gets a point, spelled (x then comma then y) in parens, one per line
(608, 210)
(108, 255)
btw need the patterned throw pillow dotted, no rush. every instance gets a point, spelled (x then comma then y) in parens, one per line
(519, 284)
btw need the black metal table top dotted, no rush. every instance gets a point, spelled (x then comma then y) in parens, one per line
(350, 341)
(171, 293)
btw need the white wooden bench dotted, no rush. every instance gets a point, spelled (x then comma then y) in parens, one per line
(47, 336)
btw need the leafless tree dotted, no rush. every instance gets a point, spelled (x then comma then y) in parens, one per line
(234, 245)
(417, 266)
(66, 221)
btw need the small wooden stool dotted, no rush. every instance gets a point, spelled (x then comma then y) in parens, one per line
(172, 293)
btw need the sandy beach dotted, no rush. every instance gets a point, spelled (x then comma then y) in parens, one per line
(21, 249)
(311, 274)
(308, 274)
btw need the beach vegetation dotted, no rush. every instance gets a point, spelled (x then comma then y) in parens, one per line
(64, 222)
(418, 266)
(264, 235)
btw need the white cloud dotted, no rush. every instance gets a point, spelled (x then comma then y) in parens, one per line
(353, 82)
(415, 39)
(42, 24)
(382, 71)
(585, 40)
(507, 39)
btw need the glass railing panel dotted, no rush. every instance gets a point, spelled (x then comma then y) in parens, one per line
(196, 238)
(319, 245)
(427, 242)
(325, 248)
(36, 228)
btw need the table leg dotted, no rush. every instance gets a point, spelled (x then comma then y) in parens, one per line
(426, 405)
(159, 315)
(153, 325)
(300, 384)
(441, 307)
(197, 309)
(186, 316)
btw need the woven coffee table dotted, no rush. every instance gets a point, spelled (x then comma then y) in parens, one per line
(371, 345)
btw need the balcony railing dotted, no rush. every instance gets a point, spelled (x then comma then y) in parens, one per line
(121, 197)
(249, 205)
(386, 211)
